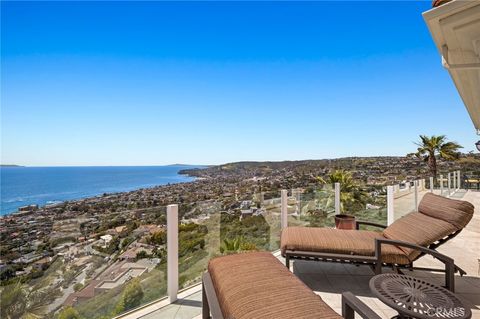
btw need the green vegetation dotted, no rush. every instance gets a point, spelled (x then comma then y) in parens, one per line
(131, 297)
(158, 238)
(352, 195)
(69, 313)
(235, 245)
(102, 305)
(248, 232)
(19, 302)
(78, 286)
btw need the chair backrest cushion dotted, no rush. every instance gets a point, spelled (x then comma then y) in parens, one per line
(437, 217)
(456, 212)
(420, 229)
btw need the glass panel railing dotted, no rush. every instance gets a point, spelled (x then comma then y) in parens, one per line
(199, 239)
(312, 206)
(89, 267)
(423, 188)
(403, 199)
(135, 273)
(268, 205)
(470, 180)
(249, 222)
(368, 203)
(429, 184)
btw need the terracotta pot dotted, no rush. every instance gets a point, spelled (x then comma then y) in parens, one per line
(343, 221)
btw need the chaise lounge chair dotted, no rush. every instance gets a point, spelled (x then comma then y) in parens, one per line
(437, 220)
(256, 285)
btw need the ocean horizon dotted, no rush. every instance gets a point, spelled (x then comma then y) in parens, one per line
(25, 185)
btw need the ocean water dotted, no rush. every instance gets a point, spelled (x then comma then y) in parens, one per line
(22, 186)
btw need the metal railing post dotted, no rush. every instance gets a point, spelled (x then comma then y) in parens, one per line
(337, 199)
(441, 185)
(390, 209)
(459, 183)
(172, 252)
(284, 208)
(415, 189)
(431, 184)
(455, 186)
(452, 184)
(449, 184)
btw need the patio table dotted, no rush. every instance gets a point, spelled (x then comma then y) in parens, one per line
(416, 298)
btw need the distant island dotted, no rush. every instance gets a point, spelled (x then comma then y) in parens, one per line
(178, 164)
(10, 165)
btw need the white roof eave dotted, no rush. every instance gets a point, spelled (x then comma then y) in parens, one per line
(455, 29)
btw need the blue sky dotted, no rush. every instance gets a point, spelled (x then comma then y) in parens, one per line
(151, 83)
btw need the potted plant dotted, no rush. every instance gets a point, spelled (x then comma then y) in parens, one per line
(344, 221)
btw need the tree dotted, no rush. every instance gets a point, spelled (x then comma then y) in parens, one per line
(7, 273)
(77, 286)
(141, 254)
(350, 192)
(126, 242)
(19, 302)
(429, 148)
(158, 238)
(131, 297)
(69, 313)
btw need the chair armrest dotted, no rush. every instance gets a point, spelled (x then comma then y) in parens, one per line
(210, 302)
(351, 304)
(364, 222)
(447, 261)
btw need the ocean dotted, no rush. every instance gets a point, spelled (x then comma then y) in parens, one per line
(22, 186)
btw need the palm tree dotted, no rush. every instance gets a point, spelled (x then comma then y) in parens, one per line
(350, 192)
(230, 245)
(429, 148)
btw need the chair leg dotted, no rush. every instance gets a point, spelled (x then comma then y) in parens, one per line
(205, 306)
(450, 277)
(378, 268)
(287, 261)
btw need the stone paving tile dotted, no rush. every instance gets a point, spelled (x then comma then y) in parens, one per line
(361, 270)
(186, 308)
(473, 298)
(342, 283)
(169, 311)
(317, 282)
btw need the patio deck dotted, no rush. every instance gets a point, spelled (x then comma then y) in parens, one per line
(329, 280)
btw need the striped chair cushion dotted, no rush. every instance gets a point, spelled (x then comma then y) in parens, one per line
(456, 212)
(257, 285)
(338, 241)
(420, 229)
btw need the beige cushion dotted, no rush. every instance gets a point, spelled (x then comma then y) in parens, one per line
(339, 241)
(456, 212)
(257, 285)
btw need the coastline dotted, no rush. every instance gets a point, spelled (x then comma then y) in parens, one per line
(43, 201)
